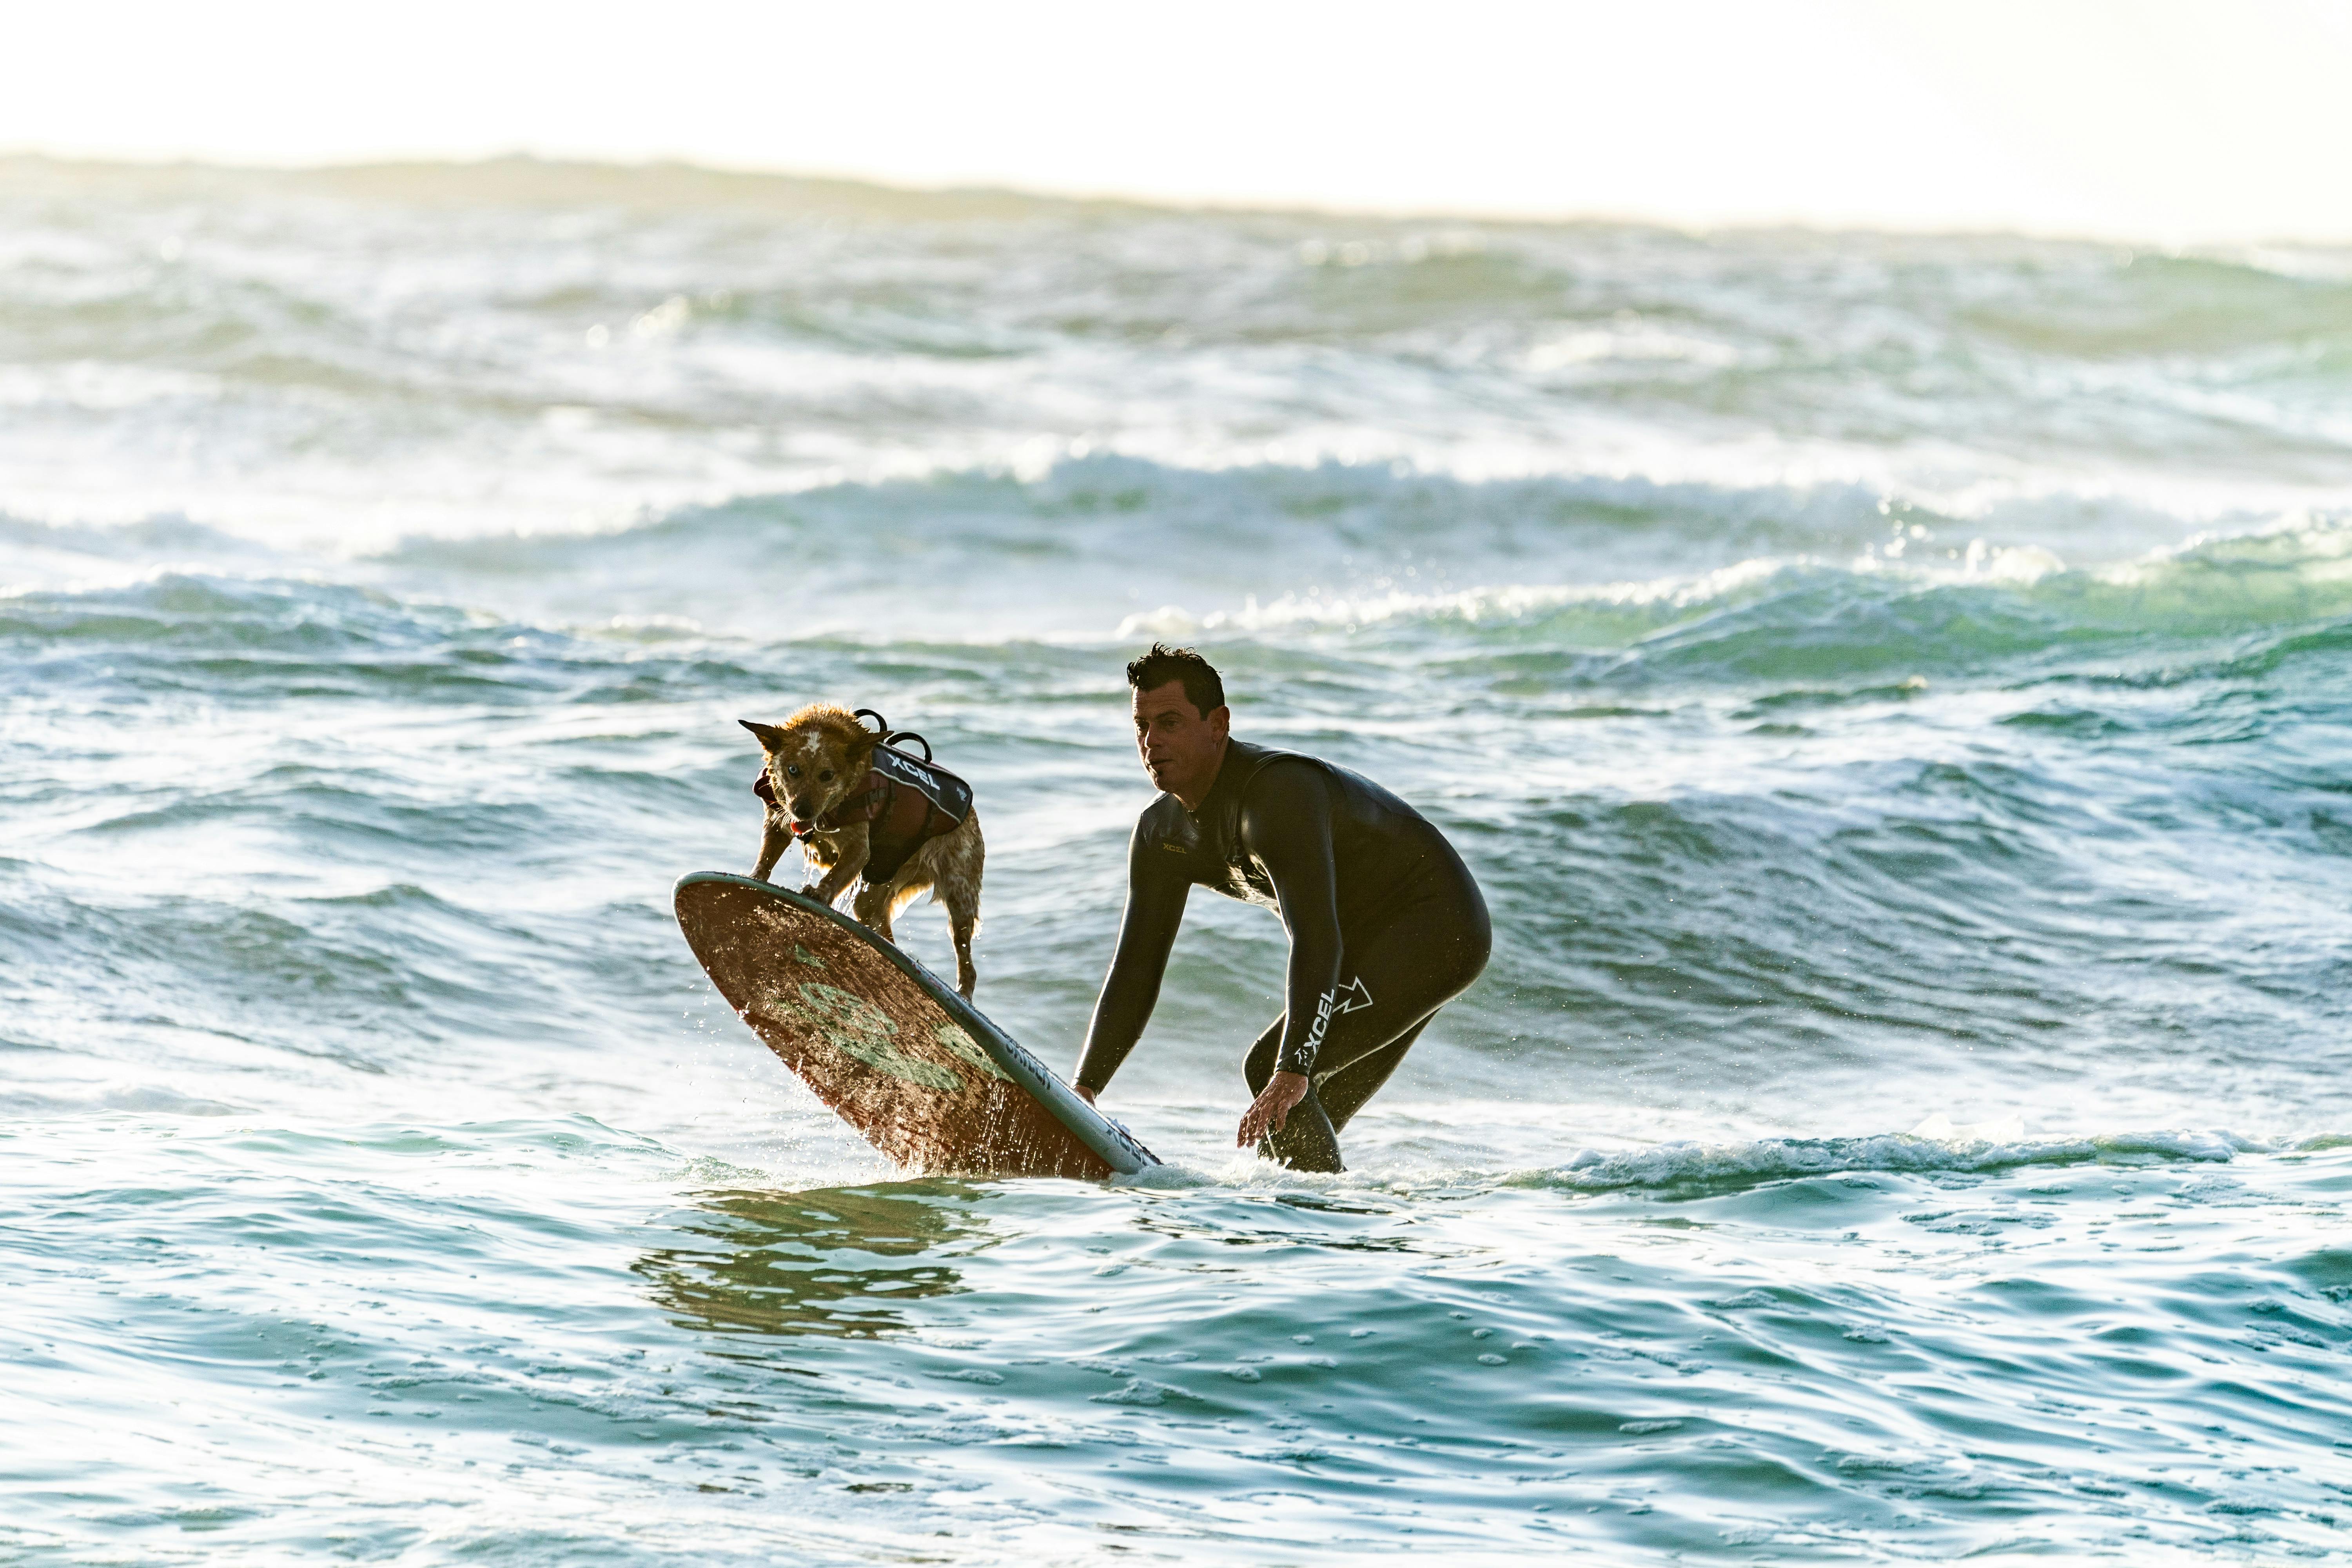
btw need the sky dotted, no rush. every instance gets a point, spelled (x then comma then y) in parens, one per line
(2157, 119)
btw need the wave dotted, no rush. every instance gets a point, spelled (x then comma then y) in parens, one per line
(2087, 298)
(1333, 511)
(2153, 303)
(1935, 1146)
(179, 608)
(270, 637)
(168, 535)
(1085, 547)
(1773, 619)
(1788, 625)
(1376, 540)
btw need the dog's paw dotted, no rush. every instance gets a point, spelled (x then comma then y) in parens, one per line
(810, 891)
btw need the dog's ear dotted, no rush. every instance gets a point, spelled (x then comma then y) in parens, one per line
(770, 736)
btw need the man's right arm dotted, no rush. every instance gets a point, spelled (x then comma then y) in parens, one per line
(1156, 887)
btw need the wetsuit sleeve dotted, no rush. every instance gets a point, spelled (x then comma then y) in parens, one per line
(1156, 889)
(1287, 824)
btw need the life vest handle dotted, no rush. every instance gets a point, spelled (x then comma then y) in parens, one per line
(887, 736)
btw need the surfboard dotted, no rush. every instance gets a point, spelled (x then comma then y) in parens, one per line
(892, 1051)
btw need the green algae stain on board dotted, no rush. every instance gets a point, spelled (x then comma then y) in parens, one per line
(856, 1027)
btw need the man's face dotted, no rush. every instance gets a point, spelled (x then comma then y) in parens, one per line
(1180, 749)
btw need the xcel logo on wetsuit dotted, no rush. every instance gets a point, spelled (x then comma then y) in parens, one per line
(1358, 995)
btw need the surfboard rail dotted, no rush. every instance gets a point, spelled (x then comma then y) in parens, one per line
(861, 1042)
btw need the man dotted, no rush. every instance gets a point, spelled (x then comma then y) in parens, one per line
(1386, 925)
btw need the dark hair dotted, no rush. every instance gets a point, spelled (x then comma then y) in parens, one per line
(1203, 688)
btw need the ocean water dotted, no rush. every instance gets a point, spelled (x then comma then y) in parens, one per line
(1892, 689)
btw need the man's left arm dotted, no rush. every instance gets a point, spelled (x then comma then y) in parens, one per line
(1287, 824)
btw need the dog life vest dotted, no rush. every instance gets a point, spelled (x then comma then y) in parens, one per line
(906, 803)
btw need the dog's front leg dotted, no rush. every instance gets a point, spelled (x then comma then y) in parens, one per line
(854, 850)
(775, 837)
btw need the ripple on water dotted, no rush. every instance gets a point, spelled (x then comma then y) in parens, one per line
(398, 1314)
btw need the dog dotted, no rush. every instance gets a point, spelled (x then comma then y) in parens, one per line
(856, 804)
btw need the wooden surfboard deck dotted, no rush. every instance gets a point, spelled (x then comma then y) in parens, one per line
(891, 1049)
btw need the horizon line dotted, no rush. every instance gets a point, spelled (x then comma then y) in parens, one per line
(846, 182)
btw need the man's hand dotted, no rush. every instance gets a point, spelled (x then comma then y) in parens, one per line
(1083, 1092)
(1271, 1108)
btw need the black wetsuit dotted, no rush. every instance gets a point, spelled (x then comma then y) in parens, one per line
(1386, 926)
